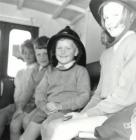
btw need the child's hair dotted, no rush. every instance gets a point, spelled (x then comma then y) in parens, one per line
(106, 39)
(55, 61)
(27, 44)
(66, 33)
(41, 42)
(128, 16)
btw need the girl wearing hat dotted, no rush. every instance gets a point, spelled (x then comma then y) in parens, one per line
(117, 18)
(65, 86)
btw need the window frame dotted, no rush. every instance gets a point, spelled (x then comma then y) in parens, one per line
(5, 28)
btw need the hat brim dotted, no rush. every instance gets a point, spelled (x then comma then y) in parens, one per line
(130, 3)
(94, 8)
(95, 5)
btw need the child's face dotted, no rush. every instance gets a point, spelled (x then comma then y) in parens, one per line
(66, 50)
(28, 55)
(42, 57)
(112, 15)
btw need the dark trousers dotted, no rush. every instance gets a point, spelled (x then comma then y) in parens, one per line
(117, 127)
(5, 116)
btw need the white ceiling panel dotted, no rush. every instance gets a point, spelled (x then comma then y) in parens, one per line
(67, 9)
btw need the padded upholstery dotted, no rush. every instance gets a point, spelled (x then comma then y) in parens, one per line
(94, 72)
(8, 90)
(5, 99)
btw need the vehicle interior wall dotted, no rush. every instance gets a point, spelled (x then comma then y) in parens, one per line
(89, 32)
(47, 25)
(93, 39)
(86, 26)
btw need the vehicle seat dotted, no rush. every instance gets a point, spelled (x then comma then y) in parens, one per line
(7, 92)
(94, 73)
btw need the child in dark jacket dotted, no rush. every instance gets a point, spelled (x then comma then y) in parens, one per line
(65, 86)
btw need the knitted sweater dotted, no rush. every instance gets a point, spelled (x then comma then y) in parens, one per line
(105, 61)
(120, 90)
(21, 81)
(34, 79)
(70, 88)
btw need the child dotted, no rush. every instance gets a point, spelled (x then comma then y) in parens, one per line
(21, 81)
(26, 101)
(40, 45)
(23, 75)
(119, 92)
(21, 78)
(65, 86)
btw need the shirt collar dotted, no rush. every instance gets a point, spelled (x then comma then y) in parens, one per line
(66, 66)
(42, 67)
(30, 66)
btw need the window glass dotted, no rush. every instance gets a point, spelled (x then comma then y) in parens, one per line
(15, 62)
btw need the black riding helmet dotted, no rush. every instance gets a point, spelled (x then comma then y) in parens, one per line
(67, 32)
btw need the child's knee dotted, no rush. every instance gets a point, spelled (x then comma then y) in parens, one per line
(59, 128)
(32, 132)
(15, 126)
(26, 121)
(48, 126)
(54, 126)
(47, 130)
(43, 131)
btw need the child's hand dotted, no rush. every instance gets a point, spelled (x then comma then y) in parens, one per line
(75, 115)
(65, 118)
(53, 107)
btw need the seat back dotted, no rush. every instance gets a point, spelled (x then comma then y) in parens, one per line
(7, 87)
(94, 73)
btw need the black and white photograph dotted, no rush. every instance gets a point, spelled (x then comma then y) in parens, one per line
(67, 69)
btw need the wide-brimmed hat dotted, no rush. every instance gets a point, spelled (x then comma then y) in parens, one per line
(96, 4)
(67, 32)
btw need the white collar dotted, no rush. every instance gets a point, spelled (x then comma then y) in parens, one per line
(30, 66)
(40, 68)
(66, 66)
